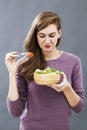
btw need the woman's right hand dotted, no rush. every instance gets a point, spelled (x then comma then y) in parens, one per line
(10, 61)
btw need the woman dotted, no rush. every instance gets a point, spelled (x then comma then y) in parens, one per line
(44, 107)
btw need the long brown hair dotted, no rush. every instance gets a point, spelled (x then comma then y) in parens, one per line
(27, 66)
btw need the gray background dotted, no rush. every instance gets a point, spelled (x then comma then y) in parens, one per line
(16, 17)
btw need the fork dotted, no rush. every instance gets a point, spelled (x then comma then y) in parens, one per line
(29, 54)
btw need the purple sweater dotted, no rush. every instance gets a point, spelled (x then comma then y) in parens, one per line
(43, 108)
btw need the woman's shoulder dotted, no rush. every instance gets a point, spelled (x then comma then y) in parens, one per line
(70, 55)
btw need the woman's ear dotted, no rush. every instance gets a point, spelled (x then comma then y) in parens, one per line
(59, 33)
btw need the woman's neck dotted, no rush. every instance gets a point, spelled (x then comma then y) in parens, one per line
(52, 55)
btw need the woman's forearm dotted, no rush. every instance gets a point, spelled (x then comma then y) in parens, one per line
(13, 92)
(71, 96)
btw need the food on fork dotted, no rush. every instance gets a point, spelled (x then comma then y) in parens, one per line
(28, 54)
(47, 76)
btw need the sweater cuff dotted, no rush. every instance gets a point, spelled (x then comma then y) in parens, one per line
(78, 107)
(13, 107)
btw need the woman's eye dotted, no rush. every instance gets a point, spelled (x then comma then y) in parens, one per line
(41, 36)
(51, 35)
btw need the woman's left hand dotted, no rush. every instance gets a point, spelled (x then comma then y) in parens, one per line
(61, 86)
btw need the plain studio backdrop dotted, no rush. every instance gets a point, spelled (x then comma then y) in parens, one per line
(16, 17)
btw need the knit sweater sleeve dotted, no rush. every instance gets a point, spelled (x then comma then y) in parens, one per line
(16, 107)
(77, 84)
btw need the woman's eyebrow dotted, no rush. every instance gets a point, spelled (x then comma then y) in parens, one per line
(41, 33)
(47, 34)
(52, 33)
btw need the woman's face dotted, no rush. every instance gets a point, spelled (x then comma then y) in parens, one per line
(47, 38)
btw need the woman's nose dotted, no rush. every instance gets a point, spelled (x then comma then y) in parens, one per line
(47, 39)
